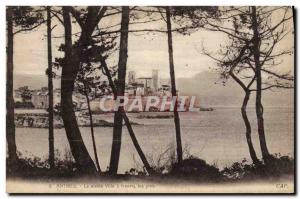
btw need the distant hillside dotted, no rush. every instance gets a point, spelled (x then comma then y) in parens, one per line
(211, 92)
(33, 81)
(206, 86)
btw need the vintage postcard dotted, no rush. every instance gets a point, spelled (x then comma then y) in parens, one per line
(150, 99)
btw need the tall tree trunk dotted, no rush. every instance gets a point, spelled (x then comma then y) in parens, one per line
(248, 128)
(173, 86)
(117, 131)
(258, 103)
(10, 123)
(127, 122)
(82, 158)
(50, 90)
(92, 131)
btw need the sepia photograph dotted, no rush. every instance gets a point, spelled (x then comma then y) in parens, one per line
(150, 99)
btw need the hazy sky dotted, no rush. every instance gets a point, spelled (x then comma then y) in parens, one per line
(145, 51)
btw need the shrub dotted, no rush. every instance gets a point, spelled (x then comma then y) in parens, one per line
(196, 169)
(276, 167)
(37, 167)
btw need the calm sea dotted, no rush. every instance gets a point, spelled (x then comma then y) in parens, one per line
(216, 136)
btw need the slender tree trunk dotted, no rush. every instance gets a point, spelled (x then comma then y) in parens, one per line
(117, 131)
(173, 86)
(259, 107)
(127, 122)
(82, 158)
(116, 143)
(50, 90)
(248, 128)
(92, 132)
(10, 123)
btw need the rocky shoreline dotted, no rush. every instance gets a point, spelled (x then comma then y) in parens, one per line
(40, 120)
